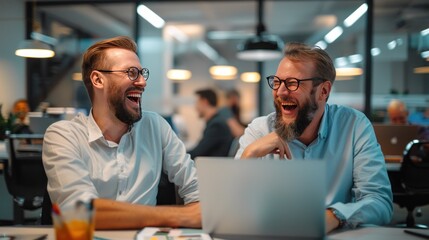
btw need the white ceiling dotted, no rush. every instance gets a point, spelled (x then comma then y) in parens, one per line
(283, 18)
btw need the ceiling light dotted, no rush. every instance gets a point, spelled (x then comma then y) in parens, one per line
(350, 20)
(424, 32)
(179, 74)
(177, 33)
(322, 44)
(343, 78)
(421, 70)
(77, 76)
(341, 62)
(333, 34)
(250, 77)
(261, 48)
(150, 16)
(375, 51)
(223, 72)
(347, 72)
(34, 49)
(391, 45)
(223, 35)
(355, 58)
(424, 54)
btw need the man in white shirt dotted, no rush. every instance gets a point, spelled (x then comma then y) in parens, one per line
(117, 153)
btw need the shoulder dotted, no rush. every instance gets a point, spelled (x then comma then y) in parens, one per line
(68, 129)
(78, 122)
(225, 112)
(150, 116)
(264, 123)
(152, 119)
(344, 113)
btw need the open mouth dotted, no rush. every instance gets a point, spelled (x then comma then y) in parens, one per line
(134, 97)
(289, 106)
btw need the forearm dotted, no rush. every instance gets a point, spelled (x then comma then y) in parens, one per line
(120, 215)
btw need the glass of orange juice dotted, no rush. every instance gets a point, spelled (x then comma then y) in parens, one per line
(74, 223)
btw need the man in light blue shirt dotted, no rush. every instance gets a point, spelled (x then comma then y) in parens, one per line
(304, 127)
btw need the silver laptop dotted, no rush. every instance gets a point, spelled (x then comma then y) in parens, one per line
(262, 199)
(394, 138)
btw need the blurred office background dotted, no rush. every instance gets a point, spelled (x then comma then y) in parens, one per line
(381, 55)
(197, 35)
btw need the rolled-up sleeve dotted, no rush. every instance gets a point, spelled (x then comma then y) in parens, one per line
(68, 175)
(371, 191)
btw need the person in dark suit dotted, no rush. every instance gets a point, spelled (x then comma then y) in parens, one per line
(217, 136)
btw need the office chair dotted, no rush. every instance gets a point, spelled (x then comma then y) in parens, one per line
(414, 177)
(24, 173)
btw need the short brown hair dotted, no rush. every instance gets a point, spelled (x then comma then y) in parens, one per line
(94, 57)
(323, 64)
(209, 95)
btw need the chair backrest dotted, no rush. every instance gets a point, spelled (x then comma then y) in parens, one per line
(235, 145)
(415, 167)
(24, 173)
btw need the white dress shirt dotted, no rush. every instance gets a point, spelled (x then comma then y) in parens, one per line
(81, 164)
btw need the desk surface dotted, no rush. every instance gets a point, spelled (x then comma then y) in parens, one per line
(379, 233)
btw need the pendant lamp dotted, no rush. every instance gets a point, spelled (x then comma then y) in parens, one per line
(34, 49)
(263, 46)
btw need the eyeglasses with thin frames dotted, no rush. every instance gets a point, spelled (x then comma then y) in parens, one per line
(132, 72)
(292, 84)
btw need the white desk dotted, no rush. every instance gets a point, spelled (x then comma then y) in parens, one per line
(367, 233)
(111, 235)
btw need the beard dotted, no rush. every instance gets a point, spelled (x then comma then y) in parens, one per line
(117, 103)
(291, 131)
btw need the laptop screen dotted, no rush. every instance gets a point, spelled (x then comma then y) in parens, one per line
(274, 198)
(394, 138)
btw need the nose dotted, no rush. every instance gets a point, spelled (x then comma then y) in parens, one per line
(140, 81)
(282, 90)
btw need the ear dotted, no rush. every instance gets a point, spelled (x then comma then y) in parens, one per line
(97, 79)
(325, 90)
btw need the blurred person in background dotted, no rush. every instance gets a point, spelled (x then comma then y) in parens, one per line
(20, 114)
(231, 112)
(217, 137)
(397, 112)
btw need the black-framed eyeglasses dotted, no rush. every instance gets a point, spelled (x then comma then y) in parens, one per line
(133, 72)
(292, 84)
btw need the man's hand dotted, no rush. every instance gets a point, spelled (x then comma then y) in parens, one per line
(270, 143)
(331, 221)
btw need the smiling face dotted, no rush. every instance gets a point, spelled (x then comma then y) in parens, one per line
(123, 95)
(295, 110)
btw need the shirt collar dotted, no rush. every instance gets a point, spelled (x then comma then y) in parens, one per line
(324, 123)
(94, 132)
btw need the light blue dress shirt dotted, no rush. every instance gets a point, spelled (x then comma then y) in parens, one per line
(358, 185)
(81, 164)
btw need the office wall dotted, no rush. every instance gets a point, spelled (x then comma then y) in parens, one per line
(12, 68)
